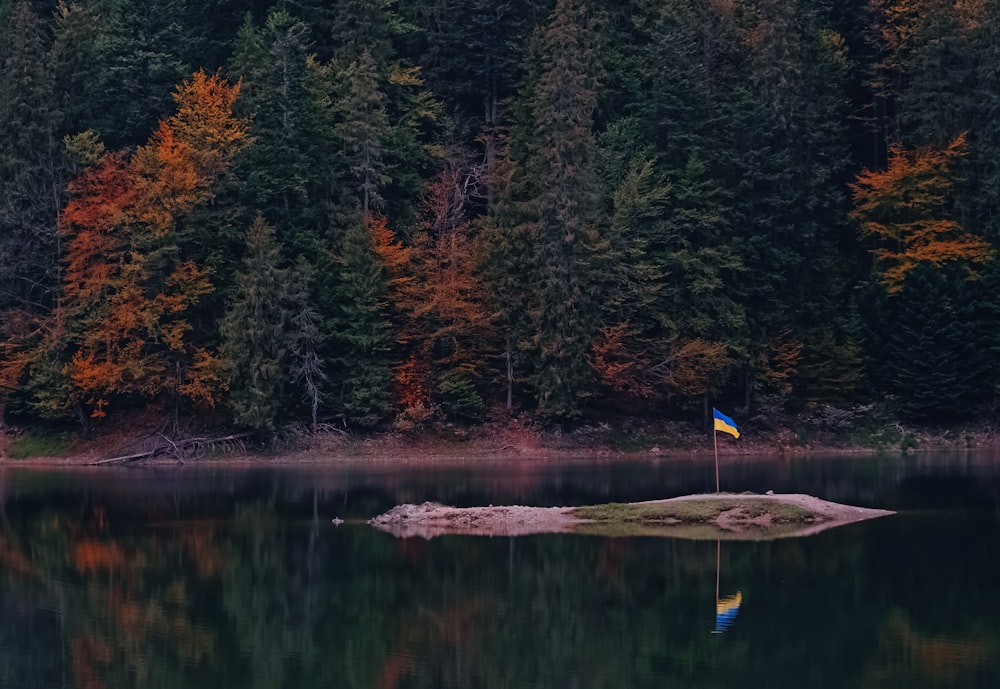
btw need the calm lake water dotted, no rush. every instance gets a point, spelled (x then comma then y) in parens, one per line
(227, 577)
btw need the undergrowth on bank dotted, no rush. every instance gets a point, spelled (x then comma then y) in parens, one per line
(34, 444)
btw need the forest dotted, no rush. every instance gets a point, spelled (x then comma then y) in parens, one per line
(391, 212)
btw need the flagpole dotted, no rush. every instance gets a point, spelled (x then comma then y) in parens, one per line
(715, 442)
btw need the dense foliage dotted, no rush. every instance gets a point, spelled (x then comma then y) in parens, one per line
(400, 212)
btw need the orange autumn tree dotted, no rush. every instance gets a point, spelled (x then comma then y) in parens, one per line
(132, 277)
(780, 362)
(411, 391)
(101, 195)
(623, 362)
(907, 211)
(643, 368)
(440, 299)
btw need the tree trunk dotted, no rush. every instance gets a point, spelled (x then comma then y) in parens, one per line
(510, 378)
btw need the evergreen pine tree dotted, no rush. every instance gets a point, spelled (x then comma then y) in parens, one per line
(78, 58)
(982, 185)
(789, 170)
(472, 58)
(289, 172)
(875, 325)
(386, 120)
(936, 346)
(137, 64)
(564, 298)
(675, 75)
(253, 332)
(627, 349)
(364, 26)
(33, 168)
(305, 340)
(670, 203)
(363, 332)
(939, 67)
(503, 250)
(362, 130)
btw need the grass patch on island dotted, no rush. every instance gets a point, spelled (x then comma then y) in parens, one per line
(696, 511)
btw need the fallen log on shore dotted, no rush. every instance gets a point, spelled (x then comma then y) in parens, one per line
(184, 449)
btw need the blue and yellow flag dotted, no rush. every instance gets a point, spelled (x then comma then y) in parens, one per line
(726, 611)
(725, 424)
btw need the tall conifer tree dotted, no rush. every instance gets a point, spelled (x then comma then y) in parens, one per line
(937, 347)
(289, 172)
(253, 332)
(364, 334)
(789, 173)
(33, 169)
(566, 209)
(503, 250)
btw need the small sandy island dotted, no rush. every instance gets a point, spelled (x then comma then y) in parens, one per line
(745, 516)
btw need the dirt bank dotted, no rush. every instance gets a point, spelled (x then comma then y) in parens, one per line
(723, 516)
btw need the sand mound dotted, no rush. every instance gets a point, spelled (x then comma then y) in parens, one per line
(725, 516)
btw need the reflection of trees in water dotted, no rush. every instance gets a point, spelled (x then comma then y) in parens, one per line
(261, 600)
(909, 657)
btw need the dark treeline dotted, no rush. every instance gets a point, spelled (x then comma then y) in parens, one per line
(401, 211)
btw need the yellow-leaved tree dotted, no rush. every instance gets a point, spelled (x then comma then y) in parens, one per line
(907, 212)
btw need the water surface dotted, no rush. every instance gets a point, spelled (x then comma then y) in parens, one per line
(230, 577)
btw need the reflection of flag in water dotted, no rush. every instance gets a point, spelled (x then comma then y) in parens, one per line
(726, 610)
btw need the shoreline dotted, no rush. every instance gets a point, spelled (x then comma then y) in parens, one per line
(499, 442)
(419, 454)
(449, 454)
